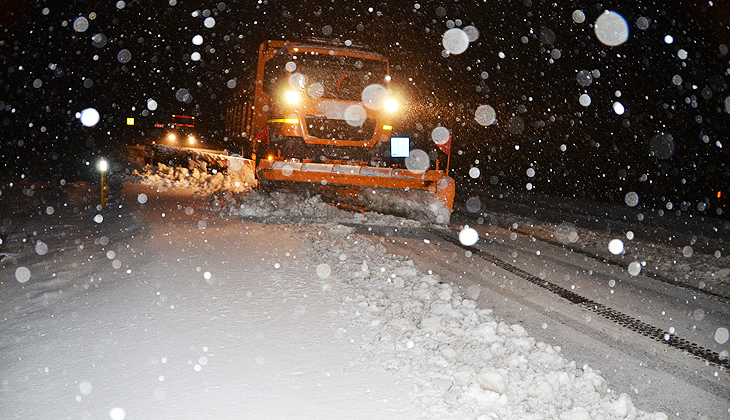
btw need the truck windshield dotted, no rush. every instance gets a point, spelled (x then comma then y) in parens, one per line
(338, 76)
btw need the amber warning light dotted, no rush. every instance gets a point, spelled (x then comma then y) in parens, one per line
(719, 194)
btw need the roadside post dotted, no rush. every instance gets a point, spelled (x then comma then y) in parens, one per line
(103, 168)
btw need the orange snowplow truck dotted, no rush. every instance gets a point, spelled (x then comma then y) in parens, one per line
(321, 122)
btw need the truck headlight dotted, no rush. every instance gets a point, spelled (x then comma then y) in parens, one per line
(292, 97)
(171, 137)
(191, 140)
(391, 105)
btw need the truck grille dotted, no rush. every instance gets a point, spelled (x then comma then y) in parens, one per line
(326, 128)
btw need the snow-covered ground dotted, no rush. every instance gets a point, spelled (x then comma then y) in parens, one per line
(168, 304)
(683, 247)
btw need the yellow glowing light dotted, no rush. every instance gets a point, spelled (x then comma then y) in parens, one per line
(292, 97)
(271, 157)
(191, 139)
(171, 137)
(284, 120)
(387, 127)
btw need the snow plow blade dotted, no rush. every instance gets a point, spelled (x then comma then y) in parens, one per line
(425, 196)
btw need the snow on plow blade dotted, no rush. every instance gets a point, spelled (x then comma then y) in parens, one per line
(426, 196)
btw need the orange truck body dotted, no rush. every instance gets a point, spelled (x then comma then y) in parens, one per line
(321, 120)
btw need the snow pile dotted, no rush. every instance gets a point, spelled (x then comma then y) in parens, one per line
(196, 176)
(231, 193)
(465, 362)
(206, 171)
(412, 203)
(382, 195)
(289, 207)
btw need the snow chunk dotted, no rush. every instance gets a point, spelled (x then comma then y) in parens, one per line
(492, 381)
(451, 355)
(445, 293)
(431, 324)
(624, 407)
(464, 377)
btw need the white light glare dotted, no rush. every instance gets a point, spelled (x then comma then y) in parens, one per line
(391, 105)
(292, 96)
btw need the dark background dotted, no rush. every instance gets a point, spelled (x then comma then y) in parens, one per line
(50, 72)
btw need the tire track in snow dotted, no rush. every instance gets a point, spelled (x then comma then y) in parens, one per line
(620, 318)
(656, 276)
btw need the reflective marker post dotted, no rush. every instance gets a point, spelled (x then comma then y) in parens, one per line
(102, 168)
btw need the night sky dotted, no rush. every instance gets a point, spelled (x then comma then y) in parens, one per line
(669, 145)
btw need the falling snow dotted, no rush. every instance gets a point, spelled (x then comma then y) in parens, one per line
(589, 151)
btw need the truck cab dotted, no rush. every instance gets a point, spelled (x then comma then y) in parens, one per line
(319, 119)
(323, 103)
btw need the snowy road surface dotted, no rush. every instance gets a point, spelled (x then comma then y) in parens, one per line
(657, 376)
(155, 307)
(206, 318)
